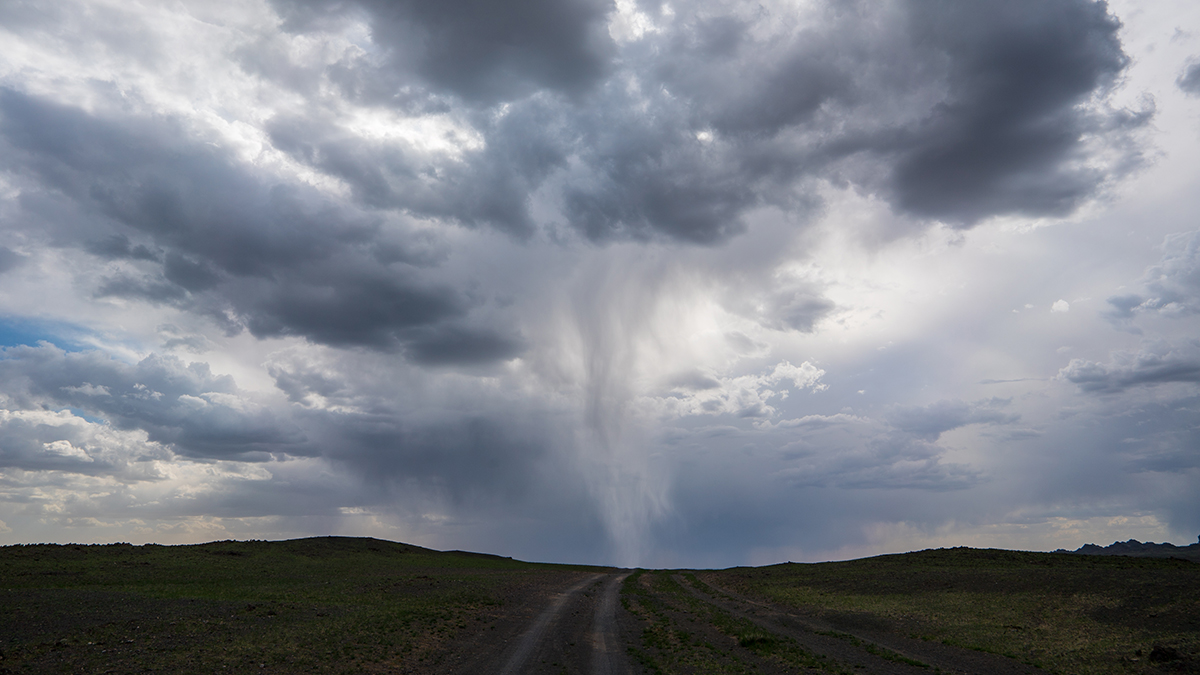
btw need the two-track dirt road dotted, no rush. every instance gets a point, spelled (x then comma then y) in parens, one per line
(574, 630)
(673, 623)
(550, 631)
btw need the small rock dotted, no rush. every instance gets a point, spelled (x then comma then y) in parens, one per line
(1160, 654)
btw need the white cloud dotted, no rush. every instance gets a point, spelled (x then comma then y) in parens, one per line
(89, 389)
(746, 396)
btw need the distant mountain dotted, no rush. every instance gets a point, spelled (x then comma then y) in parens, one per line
(1135, 548)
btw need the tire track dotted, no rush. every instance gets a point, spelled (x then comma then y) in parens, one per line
(607, 655)
(861, 648)
(838, 650)
(533, 637)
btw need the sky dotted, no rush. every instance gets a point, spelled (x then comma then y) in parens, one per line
(688, 283)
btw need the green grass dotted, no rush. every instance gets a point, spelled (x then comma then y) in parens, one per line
(341, 605)
(317, 605)
(1066, 613)
(684, 634)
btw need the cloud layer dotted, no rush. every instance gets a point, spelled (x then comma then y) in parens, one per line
(702, 283)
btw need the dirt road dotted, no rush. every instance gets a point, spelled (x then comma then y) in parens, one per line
(574, 630)
(674, 623)
(608, 652)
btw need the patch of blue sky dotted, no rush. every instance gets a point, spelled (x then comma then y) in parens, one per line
(16, 331)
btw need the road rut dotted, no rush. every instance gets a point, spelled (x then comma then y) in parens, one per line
(574, 631)
(533, 637)
(608, 655)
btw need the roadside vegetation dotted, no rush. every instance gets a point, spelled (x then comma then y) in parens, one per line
(322, 605)
(1068, 614)
(684, 633)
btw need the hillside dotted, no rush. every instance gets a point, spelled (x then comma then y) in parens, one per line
(351, 605)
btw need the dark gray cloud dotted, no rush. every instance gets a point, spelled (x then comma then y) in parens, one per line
(1104, 452)
(492, 467)
(1172, 286)
(9, 259)
(118, 246)
(796, 310)
(484, 454)
(782, 83)
(381, 447)
(1122, 308)
(270, 259)
(339, 306)
(648, 175)
(489, 186)
(887, 463)
(478, 50)
(1003, 139)
(931, 421)
(470, 461)
(1189, 81)
(1111, 450)
(473, 451)
(147, 175)
(452, 345)
(954, 112)
(965, 113)
(973, 112)
(1155, 363)
(857, 452)
(183, 406)
(693, 381)
(25, 14)
(1171, 437)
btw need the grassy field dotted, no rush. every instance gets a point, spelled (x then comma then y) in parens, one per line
(683, 634)
(341, 605)
(314, 605)
(1068, 614)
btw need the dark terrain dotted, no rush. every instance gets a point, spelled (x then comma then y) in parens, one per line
(334, 605)
(1140, 549)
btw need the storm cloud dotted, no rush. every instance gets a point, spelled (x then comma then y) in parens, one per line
(475, 50)
(953, 113)
(1155, 364)
(252, 255)
(183, 406)
(694, 283)
(1189, 81)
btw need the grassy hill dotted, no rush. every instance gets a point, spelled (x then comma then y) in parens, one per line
(335, 604)
(1063, 612)
(328, 604)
